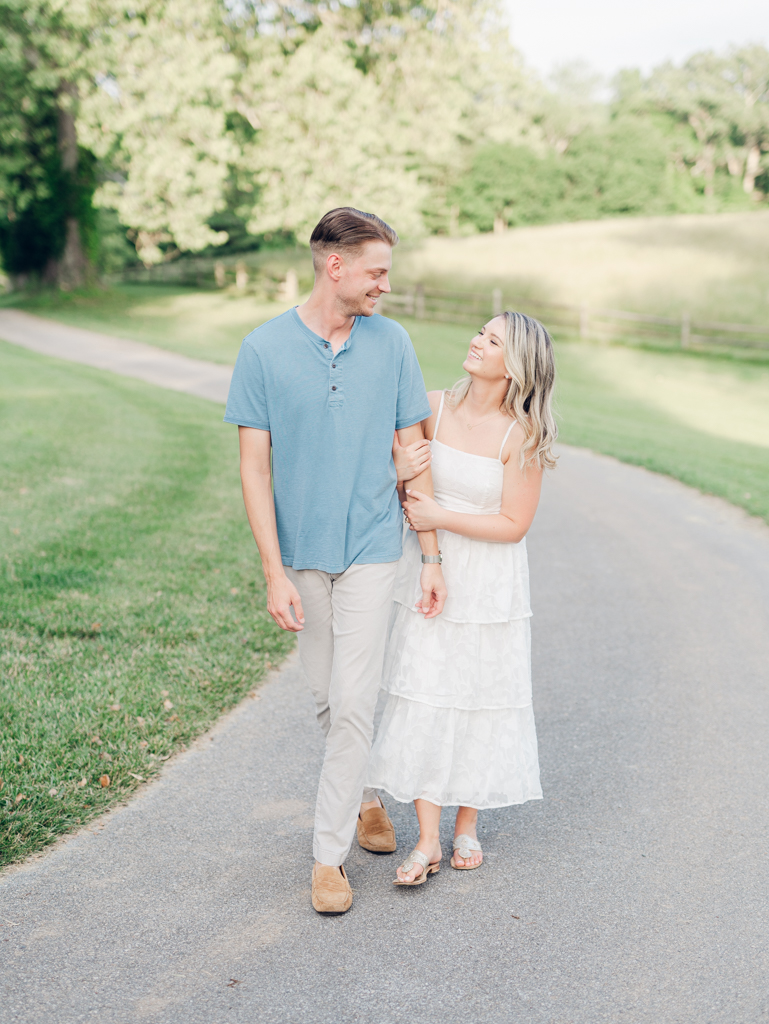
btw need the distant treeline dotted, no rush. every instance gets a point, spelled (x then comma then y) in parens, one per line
(144, 130)
(684, 139)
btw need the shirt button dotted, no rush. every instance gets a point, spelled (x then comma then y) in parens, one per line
(326, 345)
(333, 387)
(333, 366)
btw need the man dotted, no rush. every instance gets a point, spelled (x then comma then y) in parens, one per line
(325, 386)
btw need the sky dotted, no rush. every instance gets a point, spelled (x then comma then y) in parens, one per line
(614, 34)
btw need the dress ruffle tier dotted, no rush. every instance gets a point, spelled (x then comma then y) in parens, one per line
(458, 727)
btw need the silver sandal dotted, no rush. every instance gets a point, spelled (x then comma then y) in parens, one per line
(465, 846)
(417, 857)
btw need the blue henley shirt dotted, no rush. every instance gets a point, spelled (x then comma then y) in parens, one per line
(331, 420)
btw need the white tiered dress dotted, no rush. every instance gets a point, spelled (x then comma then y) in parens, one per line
(458, 726)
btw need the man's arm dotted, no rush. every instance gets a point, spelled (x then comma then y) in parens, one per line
(433, 585)
(256, 477)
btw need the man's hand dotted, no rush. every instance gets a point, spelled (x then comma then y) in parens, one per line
(282, 595)
(411, 459)
(433, 591)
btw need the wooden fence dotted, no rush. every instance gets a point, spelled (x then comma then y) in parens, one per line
(564, 320)
(474, 308)
(246, 272)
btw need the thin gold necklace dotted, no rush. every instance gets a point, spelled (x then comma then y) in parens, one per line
(467, 422)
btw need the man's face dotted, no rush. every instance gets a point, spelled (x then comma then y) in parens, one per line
(363, 279)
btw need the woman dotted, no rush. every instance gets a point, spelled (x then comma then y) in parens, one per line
(458, 727)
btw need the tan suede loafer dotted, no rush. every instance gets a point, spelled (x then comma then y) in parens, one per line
(331, 892)
(375, 831)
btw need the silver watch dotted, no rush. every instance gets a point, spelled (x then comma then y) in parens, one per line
(432, 559)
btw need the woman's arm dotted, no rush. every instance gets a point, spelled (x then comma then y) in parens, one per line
(520, 497)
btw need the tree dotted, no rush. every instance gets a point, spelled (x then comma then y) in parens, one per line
(570, 105)
(156, 113)
(747, 72)
(698, 93)
(450, 81)
(47, 224)
(321, 140)
(507, 185)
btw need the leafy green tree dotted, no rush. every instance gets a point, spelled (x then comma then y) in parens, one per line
(747, 72)
(698, 93)
(569, 106)
(321, 140)
(507, 185)
(450, 82)
(623, 169)
(159, 119)
(47, 221)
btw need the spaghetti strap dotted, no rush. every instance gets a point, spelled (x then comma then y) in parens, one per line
(504, 440)
(440, 413)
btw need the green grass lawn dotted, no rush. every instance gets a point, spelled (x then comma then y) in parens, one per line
(131, 600)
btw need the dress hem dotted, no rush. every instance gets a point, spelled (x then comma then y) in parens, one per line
(457, 707)
(452, 803)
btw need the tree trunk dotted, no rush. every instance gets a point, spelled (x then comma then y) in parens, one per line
(752, 165)
(71, 269)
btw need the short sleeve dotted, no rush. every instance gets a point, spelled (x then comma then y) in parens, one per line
(413, 406)
(247, 401)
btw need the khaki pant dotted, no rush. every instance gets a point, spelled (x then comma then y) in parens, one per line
(341, 649)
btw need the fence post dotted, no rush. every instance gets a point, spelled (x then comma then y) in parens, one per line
(420, 302)
(686, 326)
(289, 289)
(496, 302)
(584, 322)
(409, 304)
(241, 277)
(219, 274)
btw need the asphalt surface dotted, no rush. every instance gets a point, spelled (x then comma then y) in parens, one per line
(105, 352)
(636, 891)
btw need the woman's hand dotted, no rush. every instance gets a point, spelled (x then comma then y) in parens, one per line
(412, 459)
(422, 513)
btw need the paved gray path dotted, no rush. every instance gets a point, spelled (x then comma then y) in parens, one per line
(129, 358)
(636, 891)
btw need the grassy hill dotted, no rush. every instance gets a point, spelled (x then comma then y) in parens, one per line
(715, 266)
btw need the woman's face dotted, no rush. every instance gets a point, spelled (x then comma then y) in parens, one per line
(486, 358)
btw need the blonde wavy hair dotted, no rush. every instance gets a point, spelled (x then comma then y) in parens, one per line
(530, 362)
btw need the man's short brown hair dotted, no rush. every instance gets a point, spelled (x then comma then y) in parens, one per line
(345, 231)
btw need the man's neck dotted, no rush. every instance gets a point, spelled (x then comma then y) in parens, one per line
(321, 314)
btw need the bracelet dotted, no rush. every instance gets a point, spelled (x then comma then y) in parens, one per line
(432, 559)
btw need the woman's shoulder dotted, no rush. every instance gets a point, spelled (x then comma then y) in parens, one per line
(514, 438)
(434, 398)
